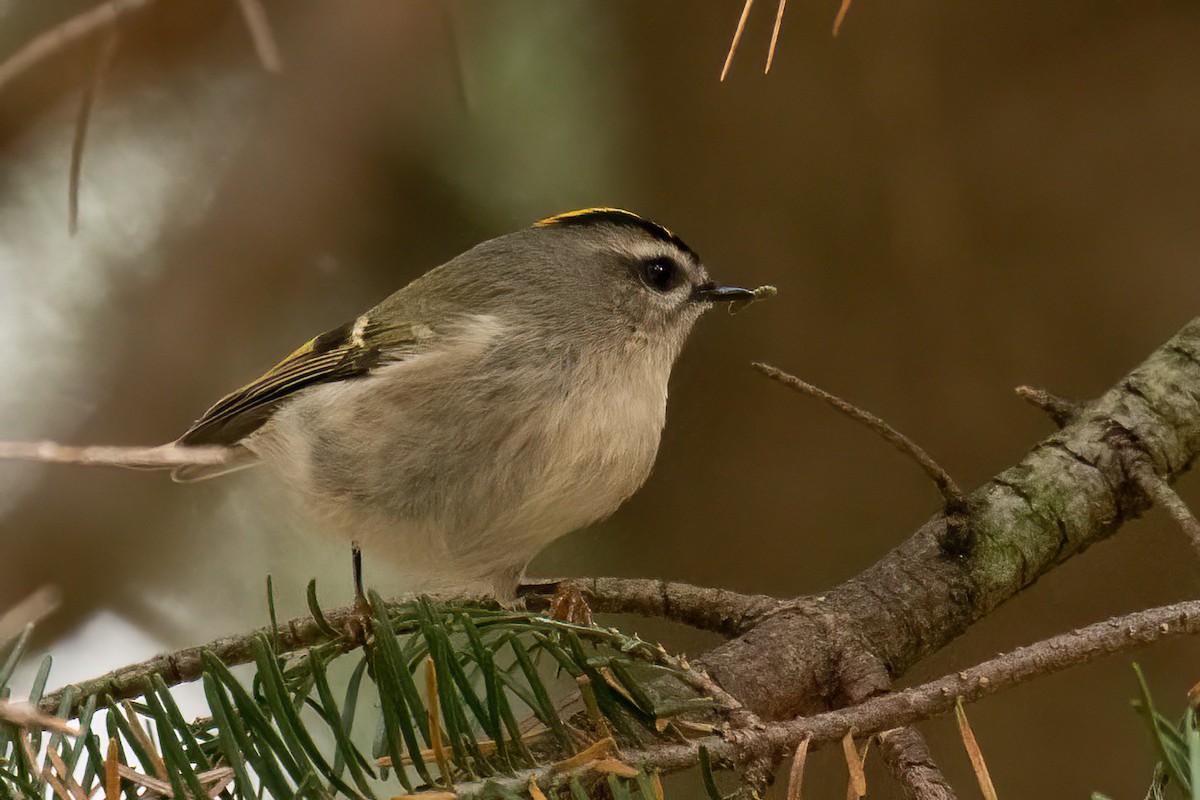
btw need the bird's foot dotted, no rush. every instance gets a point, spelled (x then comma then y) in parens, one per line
(569, 605)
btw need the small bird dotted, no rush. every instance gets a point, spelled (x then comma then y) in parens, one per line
(506, 398)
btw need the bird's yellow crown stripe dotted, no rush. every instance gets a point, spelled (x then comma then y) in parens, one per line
(598, 210)
(583, 212)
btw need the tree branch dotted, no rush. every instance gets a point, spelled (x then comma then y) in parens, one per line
(709, 609)
(776, 740)
(717, 610)
(1072, 490)
(908, 759)
(185, 664)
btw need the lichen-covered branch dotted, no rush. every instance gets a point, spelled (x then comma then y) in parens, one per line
(776, 740)
(1072, 490)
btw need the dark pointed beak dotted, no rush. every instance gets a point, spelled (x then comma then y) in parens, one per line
(712, 293)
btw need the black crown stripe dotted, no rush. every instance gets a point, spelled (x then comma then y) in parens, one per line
(616, 216)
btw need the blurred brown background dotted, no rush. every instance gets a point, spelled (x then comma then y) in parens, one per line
(953, 199)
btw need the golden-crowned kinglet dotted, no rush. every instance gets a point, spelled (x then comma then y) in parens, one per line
(494, 404)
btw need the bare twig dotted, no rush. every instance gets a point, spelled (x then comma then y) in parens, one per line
(1140, 468)
(719, 610)
(65, 34)
(775, 36)
(1059, 409)
(907, 757)
(167, 455)
(737, 38)
(260, 31)
(955, 500)
(103, 61)
(1161, 493)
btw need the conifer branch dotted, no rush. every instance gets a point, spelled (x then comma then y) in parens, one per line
(776, 740)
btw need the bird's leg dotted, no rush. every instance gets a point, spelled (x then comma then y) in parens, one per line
(360, 622)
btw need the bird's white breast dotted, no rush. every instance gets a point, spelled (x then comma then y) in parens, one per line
(461, 472)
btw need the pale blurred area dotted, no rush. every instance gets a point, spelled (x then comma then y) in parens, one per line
(953, 199)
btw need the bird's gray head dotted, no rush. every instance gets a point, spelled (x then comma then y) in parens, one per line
(603, 276)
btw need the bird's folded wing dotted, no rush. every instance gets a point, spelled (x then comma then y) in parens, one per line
(346, 352)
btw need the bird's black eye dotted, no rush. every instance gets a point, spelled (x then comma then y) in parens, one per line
(660, 274)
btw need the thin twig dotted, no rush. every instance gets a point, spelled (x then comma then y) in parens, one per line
(103, 61)
(775, 36)
(260, 32)
(1138, 465)
(1059, 409)
(954, 497)
(1165, 497)
(737, 38)
(167, 455)
(64, 34)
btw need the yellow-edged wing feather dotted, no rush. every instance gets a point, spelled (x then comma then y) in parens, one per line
(344, 353)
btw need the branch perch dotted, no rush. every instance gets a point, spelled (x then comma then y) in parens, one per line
(717, 610)
(882, 713)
